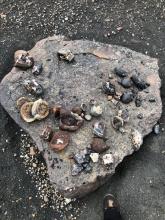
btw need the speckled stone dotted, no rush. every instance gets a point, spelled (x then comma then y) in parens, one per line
(71, 84)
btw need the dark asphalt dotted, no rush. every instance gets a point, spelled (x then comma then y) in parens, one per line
(139, 182)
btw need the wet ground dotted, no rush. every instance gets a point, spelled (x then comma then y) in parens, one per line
(139, 182)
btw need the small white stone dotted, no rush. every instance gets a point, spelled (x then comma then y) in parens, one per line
(96, 110)
(94, 157)
(108, 159)
(67, 200)
(34, 165)
(88, 117)
(32, 151)
(46, 199)
(59, 141)
(137, 139)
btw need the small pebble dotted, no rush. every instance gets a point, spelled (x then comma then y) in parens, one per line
(156, 129)
(99, 129)
(76, 169)
(138, 101)
(34, 165)
(117, 96)
(126, 82)
(109, 97)
(152, 99)
(87, 168)
(140, 83)
(137, 139)
(140, 116)
(110, 76)
(120, 72)
(94, 157)
(88, 117)
(96, 110)
(32, 151)
(46, 198)
(67, 200)
(114, 101)
(37, 69)
(108, 88)
(127, 97)
(98, 145)
(108, 159)
(117, 122)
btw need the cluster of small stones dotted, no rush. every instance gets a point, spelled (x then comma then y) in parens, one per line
(73, 120)
(88, 143)
(67, 208)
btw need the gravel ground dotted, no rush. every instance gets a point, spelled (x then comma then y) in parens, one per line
(139, 182)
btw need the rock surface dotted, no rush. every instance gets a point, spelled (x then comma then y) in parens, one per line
(71, 84)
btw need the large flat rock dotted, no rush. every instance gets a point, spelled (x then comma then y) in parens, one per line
(79, 82)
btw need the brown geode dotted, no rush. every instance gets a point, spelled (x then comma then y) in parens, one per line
(59, 141)
(77, 110)
(70, 121)
(98, 145)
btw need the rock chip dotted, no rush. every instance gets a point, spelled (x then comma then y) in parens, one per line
(94, 157)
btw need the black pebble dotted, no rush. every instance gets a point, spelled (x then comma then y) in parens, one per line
(108, 88)
(127, 97)
(38, 90)
(88, 169)
(140, 83)
(76, 169)
(120, 72)
(156, 129)
(138, 101)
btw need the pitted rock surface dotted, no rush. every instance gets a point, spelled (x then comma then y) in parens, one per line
(71, 84)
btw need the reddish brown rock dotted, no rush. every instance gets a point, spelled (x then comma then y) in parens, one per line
(98, 145)
(59, 141)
